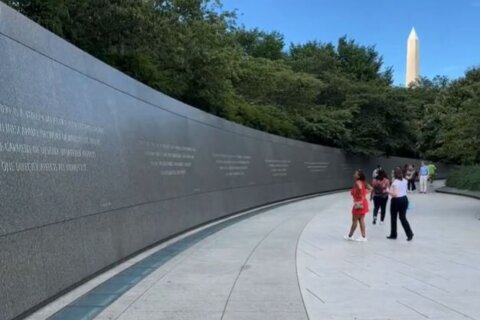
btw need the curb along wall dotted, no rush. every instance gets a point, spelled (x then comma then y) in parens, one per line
(95, 166)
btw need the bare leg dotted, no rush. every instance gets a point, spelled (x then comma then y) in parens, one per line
(362, 226)
(354, 226)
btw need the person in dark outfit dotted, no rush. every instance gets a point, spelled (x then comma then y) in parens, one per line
(399, 205)
(410, 176)
(380, 186)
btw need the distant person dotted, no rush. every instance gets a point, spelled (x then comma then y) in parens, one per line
(375, 172)
(380, 187)
(432, 171)
(423, 178)
(410, 176)
(399, 205)
(360, 206)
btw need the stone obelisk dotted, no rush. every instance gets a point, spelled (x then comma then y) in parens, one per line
(413, 58)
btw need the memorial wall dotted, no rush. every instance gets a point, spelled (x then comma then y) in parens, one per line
(95, 166)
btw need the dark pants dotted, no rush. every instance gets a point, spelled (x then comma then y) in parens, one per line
(411, 185)
(379, 203)
(398, 207)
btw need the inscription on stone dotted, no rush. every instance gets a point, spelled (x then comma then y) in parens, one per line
(170, 159)
(278, 168)
(232, 165)
(315, 167)
(53, 144)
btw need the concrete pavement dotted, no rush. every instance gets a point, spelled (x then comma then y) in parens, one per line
(436, 276)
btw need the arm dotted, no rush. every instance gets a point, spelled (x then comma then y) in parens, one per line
(356, 190)
(370, 188)
(393, 191)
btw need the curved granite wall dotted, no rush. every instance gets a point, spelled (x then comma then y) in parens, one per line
(95, 166)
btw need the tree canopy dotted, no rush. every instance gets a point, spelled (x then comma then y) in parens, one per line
(338, 94)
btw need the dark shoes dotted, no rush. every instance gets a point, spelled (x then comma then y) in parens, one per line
(394, 238)
(374, 221)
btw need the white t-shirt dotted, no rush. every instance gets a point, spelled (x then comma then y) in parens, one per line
(400, 187)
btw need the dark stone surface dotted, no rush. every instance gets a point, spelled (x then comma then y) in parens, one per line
(96, 166)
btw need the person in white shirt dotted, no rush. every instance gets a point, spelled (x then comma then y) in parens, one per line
(399, 205)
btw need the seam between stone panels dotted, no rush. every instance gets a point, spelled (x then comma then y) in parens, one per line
(162, 108)
(158, 280)
(439, 303)
(246, 261)
(158, 201)
(296, 265)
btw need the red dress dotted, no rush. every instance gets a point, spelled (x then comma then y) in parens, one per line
(360, 196)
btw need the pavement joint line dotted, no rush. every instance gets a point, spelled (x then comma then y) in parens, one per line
(358, 280)
(307, 253)
(159, 279)
(423, 281)
(312, 245)
(439, 303)
(316, 296)
(356, 265)
(311, 271)
(297, 246)
(413, 267)
(464, 265)
(413, 309)
(248, 259)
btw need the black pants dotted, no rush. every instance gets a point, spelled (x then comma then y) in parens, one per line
(379, 203)
(411, 185)
(398, 207)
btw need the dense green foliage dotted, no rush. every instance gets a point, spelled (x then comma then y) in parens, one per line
(467, 178)
(333, 94)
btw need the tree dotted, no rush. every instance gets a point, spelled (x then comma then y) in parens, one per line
(260, 44)
(335, 94)
(360, 62)
(458, 113)
(52, 14)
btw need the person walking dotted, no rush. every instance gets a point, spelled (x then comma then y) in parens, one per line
(380, 195)
(423, 178)
(360, 206)
(399, 205)
(410, 176)
(432, 170)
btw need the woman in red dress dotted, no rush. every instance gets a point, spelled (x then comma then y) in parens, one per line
(360, 206)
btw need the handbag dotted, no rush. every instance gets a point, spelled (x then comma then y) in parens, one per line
(358, 205)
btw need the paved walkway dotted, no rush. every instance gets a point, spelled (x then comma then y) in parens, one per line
(292, 263)
(436, 276)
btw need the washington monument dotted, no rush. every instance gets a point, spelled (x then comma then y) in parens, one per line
(413, 58)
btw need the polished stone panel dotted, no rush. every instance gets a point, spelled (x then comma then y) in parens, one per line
(95, 166)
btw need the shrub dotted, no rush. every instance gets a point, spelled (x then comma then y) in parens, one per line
(467, 178)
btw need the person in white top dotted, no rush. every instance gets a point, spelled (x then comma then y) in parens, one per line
(399, 205)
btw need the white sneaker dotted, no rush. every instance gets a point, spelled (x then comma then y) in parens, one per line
(382, 223)
(348, 238)
(362, 239)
